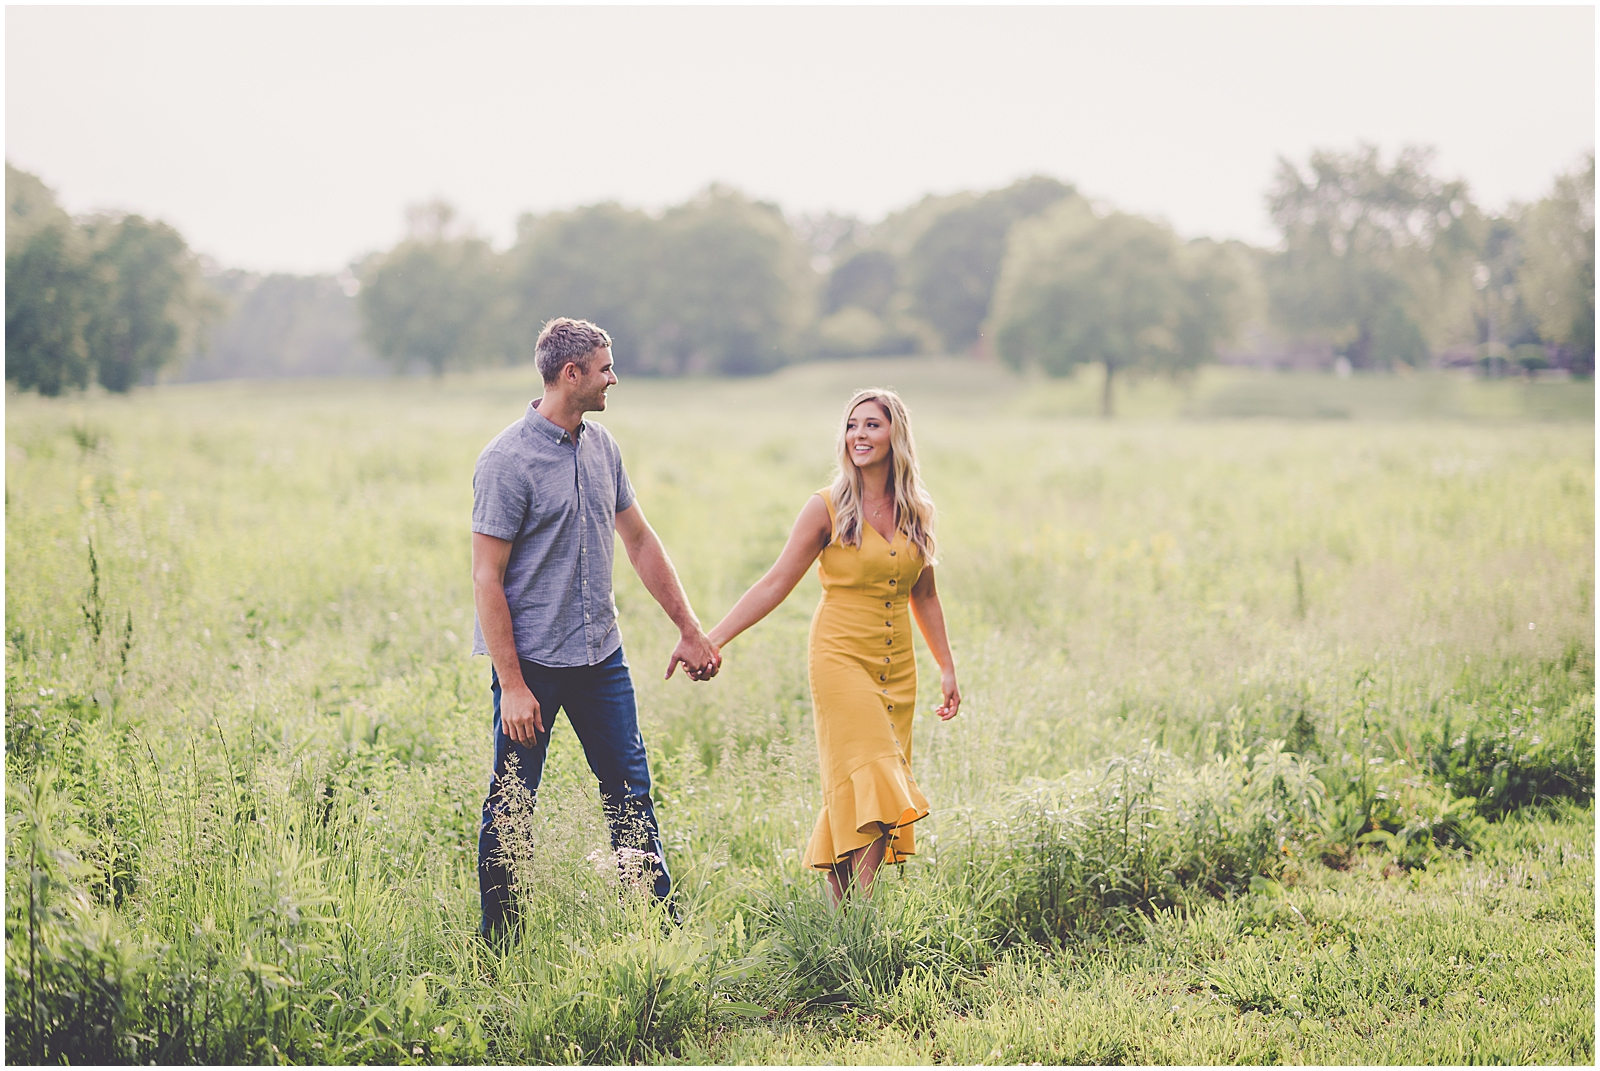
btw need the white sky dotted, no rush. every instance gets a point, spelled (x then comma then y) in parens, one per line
(292, 138)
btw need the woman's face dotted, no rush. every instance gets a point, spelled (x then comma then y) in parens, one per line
(866, 435)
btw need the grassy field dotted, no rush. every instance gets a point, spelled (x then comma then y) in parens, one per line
(1278, 741)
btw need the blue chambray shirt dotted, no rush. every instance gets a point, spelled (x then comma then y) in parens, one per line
(556, 501)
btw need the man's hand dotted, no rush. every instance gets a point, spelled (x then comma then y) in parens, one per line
(700, 659)
(520, 717)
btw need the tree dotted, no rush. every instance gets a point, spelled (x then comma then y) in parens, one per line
(720, 284)
(1375, 260)
(436, 298)
(114, 298)
(1557, 274)
(953, 265)
(47, 276)
(148, 305)
(1120, 291)
(593, 263)
(866, 280)
(731, 288)
(864, 310)
(284, 325)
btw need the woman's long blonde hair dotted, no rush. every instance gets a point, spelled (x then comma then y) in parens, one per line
(913, 509)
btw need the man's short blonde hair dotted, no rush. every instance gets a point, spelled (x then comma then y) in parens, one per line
(565, 339)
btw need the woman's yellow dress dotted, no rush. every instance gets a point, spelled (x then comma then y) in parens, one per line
(863, 696)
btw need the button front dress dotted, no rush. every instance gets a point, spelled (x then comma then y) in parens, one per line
(863, 696)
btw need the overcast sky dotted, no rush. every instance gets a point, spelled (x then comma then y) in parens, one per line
(292, 139)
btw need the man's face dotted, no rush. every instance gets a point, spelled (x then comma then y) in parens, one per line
(590, 389)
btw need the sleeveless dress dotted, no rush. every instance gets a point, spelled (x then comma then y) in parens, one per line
(863, 694)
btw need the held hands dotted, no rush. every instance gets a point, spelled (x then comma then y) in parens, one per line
(700, 658)
(520, 717)
(952, 696)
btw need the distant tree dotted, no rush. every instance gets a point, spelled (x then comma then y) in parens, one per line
(284, 325)
(47, 279)
(1557, 274)
(730, 289)
(148, 304)
(954, 263)
(1373, 258)
(1119, 291)
(594, 263)
(114, 298)
(436, 299)
(866, 281)
(1501, 319)
(865, 310)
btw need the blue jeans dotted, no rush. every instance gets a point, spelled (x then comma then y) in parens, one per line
(600, 705)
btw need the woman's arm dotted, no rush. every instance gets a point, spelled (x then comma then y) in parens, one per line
(811, 533)
(930, 618)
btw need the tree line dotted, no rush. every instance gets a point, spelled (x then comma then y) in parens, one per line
(107, 298)
(1379, 264)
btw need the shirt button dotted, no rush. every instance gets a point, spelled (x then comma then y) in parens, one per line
(886, 691)
(892, 553)
(890, 640)
(881, 677)
(892, 583)
(891, 706)
(886, 659)
(888, 605)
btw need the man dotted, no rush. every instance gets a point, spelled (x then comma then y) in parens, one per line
(547, 493)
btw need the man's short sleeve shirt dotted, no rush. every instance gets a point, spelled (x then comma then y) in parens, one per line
(555, 499)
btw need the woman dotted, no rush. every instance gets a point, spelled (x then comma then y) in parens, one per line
(873, 529)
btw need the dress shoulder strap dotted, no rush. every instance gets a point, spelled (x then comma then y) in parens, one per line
(827, 499)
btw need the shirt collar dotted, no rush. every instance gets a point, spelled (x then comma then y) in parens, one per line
(546, 427)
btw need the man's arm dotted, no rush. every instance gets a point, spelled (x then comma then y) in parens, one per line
(520, 717)
(700, 660)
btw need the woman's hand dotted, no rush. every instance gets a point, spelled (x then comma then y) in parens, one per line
(952, 696)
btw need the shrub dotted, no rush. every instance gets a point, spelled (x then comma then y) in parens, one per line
(1521, 738)
(861, 954)
(1086, 855)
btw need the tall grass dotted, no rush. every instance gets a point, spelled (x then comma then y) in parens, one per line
(1213, 670)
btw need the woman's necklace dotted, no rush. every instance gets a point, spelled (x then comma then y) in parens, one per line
(879, 509)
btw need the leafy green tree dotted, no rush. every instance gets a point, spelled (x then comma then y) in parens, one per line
(1119, 291)
(954, 263)
(148, 305)
(114, 298)
(47, 279)
(1556, 280)
(867, 280)
(436, 299)
(1374, 259)
(865, 310)
(731, 288)
(720, 284)
(594, 263)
